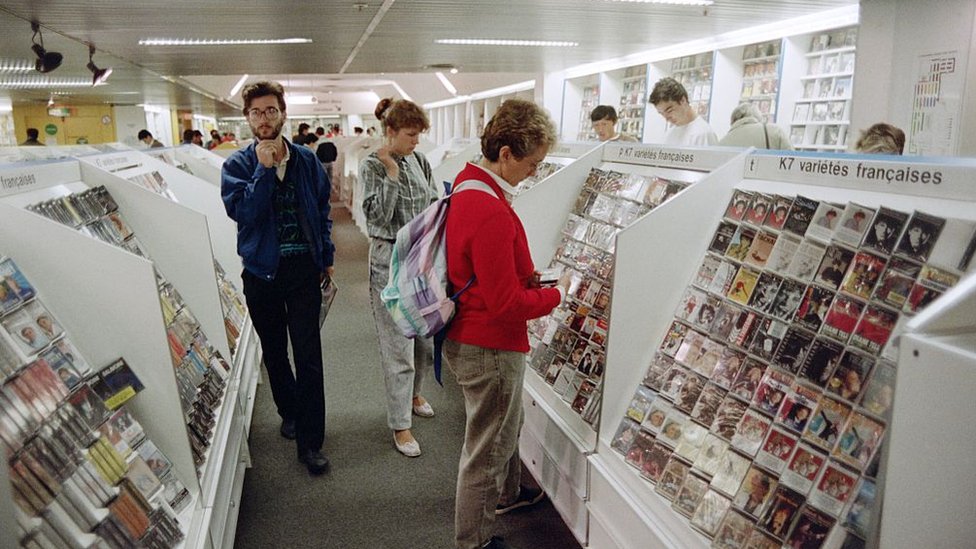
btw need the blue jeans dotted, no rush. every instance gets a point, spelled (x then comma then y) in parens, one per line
(489, 469)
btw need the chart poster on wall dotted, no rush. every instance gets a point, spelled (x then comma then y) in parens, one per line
(936, 105)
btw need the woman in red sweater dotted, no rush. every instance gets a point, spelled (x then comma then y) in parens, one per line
(487, 340)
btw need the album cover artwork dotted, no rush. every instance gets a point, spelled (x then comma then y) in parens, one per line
(779, 212)
(767, 338)
(758, 209)
(842, 317)
(14, 280)
(860, 440)
(813, 307)
(674, 338)
(640, 403)
(724, 276)
(25, 332)
(654, 462)
(848, 378)
(783, 507)
(803, 468)
(709, 512)
(801, 214)
(761, 540)
(750, 432)
(825, 221)
(691, 492)
(820, 362)
(747, 381)
(806, 260)
(860, 516)
(729, 363)
(732, 469)
(706, 272)
(811, 529)
(733, 532)
(674, 425)
(707, 404)
(727, 417)
(761, 248)
(723, 237)
(777, 449)
(782, 253)
(824, 427)
(793, 349)
(743, 285)
(884, 231)
(921, 234)
(833, 488)
(874, 329)
(772, 390)
(640, 449)
(853, 224)
(834, 265)
(660, 364)
(879, 393)
(654, 419)
(740, 243)
(756, 492)
(764, 295)
(798, 407)
(692, 438)
(624, 437)
(896, 282)
(738, 205)
(863, 274)
(725, 320)
(704, 314)
(788, 299)
(710, 455)
(939, 279)
(672, 478)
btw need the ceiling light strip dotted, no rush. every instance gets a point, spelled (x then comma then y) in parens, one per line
(446, 83)
(37, 83)
(494, 92)
(220, 41)
(672, 2)
(502, 42)
(380, 13)
(16, 65)
(237, 87)
(399, 90)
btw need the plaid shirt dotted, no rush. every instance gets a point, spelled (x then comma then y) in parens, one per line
(389, 205)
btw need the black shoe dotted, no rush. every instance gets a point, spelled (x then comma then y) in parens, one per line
(497, 543)
(527, 496)
(287, 429)
(314, 460)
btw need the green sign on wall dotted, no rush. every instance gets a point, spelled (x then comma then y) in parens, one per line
(51, 129)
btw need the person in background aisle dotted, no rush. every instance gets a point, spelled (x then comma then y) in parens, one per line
(671, 101)
(278, 194)
(604, 119)
(214, 140)
(197, 138)
(357, 131)
(299, 138)
(320, 132)
(311, 141)
(881, 138)
(397, 185)
(32, 135)
(187, 137)
(148, 139)
(370, 131)
(487, 340)
(748, 130)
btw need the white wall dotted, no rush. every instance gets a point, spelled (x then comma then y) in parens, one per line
(128, 122)
(892, 36)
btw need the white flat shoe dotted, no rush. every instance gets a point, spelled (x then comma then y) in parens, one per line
(424, 410)
(410, 449)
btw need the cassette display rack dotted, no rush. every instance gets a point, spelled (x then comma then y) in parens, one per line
(201, 372)
(590, 100)
(695, 73)
(569, 345)
(633, 101)
(82, 471)
(821, 116)
(762, 412)
(760, 77)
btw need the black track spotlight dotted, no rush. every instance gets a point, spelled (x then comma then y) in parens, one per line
(99, 76)
(47, 61)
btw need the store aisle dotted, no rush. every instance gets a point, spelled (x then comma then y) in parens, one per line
(373, 498)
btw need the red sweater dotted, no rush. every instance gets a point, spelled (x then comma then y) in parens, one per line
(486, 238)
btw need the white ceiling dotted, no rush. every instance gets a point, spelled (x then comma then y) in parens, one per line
(358, 45)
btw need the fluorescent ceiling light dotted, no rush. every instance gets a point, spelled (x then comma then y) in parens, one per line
(237, 87)
(675, 2)
(447, 83)
(399, 90)
(497, 42)
(16, 65)
(220, 41)
(26, 82)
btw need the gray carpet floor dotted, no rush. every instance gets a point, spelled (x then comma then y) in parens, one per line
(372, 497)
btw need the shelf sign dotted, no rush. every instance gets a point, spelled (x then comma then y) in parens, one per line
(572, 150)
(59, 112)
(669, 157)
(949, 178)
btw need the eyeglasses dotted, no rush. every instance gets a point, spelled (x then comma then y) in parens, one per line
(270, 113)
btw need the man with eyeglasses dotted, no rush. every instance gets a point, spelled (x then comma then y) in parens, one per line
(670, 99)
(278, 194)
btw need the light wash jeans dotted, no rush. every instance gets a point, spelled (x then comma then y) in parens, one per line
(406, 362)
(489, 469)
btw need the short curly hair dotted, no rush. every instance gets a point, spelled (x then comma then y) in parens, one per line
(261, 89)
(521, 125)
(398, 114)
(881, 138)
(668, 89)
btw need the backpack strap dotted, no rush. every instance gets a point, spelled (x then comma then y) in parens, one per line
(439, 337)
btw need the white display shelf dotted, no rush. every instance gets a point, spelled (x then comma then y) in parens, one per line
(822, 53)
(625, 508)
(826, 75)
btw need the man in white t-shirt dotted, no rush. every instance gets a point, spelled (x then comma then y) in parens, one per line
(671, 101)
